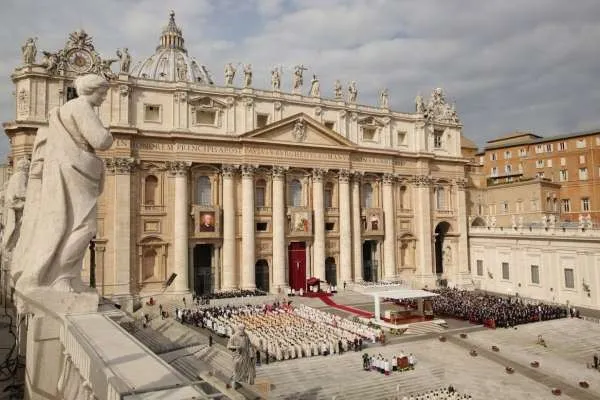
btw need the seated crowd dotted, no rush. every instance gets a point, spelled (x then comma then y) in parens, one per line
(228, 294)
(281, 331)
(448, 393)
(380, 283)
(492, 311)
(313, 289)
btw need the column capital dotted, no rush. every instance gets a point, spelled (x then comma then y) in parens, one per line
(344, 175)
(120, 165)
(229, 170)
(178, 168)
(357, 176)
(421, 180)
(460, 183)
(388, 179)
(279, 171)
(248, 170)
(317, 174)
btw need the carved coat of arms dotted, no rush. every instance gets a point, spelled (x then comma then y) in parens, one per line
(299, 131)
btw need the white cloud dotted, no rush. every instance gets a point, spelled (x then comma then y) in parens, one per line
(528, 67)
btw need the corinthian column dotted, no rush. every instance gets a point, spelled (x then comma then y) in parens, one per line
(345, 227)
(248, 247)
(422, 209)
(319, 238)
(356, 234)
(462, 264)
(229, 247)
(389, 241)
(279, 248)
(180, 226)
(122, 169)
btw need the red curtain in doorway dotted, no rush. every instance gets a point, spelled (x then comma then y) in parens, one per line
(297, 265)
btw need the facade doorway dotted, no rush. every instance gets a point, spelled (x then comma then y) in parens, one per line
(261, 274)
(330, 271)
(441, 230)
(297, 265)
(369, 263)
(203, 277)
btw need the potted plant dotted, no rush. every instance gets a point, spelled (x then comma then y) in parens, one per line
(510, 370)
(495, 348)
(473, 353)
(463, 335)
(584, 384)
(556, 392)
(443, 338)
(535, 364)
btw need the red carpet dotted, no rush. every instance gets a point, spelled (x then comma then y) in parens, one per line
(325, 299)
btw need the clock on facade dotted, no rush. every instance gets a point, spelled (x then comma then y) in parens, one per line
(80, 60)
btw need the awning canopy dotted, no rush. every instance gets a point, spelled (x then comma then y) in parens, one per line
(401, 294)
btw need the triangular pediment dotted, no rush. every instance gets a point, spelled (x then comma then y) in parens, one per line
(299, 129)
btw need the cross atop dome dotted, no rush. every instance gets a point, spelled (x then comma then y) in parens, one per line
(171, 37)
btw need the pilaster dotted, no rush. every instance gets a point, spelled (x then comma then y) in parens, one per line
(422, 202)
(463, 244)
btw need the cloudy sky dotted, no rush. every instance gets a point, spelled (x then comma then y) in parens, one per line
(508, 64)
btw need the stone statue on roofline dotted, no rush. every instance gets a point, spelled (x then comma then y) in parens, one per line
(337, 89)
(315, 87)
(352, 92)
(66, 178)
(247, 75)
(125, 60)
(276, 79)
(230, 71)
(384, 99)
(29, 51)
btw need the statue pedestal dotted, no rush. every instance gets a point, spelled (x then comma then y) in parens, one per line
(46, 309)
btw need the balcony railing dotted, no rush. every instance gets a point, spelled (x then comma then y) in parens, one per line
(153, 208)
(263, 210)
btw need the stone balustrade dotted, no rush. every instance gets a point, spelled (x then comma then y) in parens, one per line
(555, 231)
(89, 356)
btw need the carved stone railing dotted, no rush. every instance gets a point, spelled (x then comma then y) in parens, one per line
(152, 208)
(89, 356)
(262, 210)
(332, 210)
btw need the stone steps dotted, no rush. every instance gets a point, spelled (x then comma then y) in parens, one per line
(422, 328)
(185, 352)
(217, 358)
(155, 341)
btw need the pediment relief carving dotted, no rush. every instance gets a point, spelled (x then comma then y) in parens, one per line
(372, 121)
(206, 102)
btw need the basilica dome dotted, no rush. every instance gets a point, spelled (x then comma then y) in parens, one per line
(171, 62)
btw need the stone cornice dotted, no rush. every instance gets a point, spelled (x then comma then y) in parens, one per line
(120, 165)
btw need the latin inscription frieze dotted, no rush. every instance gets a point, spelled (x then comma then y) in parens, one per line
(295, 154)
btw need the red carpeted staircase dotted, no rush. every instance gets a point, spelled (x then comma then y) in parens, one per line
(327, 300)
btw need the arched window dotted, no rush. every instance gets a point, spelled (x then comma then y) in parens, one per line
(148, 263)
(367, 195)
(328, 195)
(440, 202)
(203, 191)
(151, 190)
(295, 193)
(260, 190)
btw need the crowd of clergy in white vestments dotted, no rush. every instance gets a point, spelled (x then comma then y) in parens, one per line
(387, 365)
(448, 393)
(282, 331)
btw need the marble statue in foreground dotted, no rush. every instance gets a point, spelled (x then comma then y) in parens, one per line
(65, 180)
(14, 202)
(244, 356)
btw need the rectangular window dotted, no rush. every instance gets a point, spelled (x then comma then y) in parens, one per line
(533, 205)
(329, 125)
(329, 226)
(493, 156)
(494, 171)
(566, 205)
(569, 278)
(260, 196)
(549, 164)
(480, 267)
(262, 120)
(507, 155)
(261, 226)
(563, 161)
(582, 159)
(206, 117)
(505, 271)
(539, 163)
(522, 152)
(583, 174)
(539, 175)
(437, 139)
(563, 175)
(401, 138)
(505, 208)
(539, 148)
(549, 148)
(585, 204)
(562, 146)
(535, 274)
(369, 134)
(580, 143)
(152, 113)
(508, 169)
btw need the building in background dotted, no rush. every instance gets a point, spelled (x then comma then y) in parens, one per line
(230, 186)
(571, 160)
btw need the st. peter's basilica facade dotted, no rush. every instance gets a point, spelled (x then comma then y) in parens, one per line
(236, 187)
